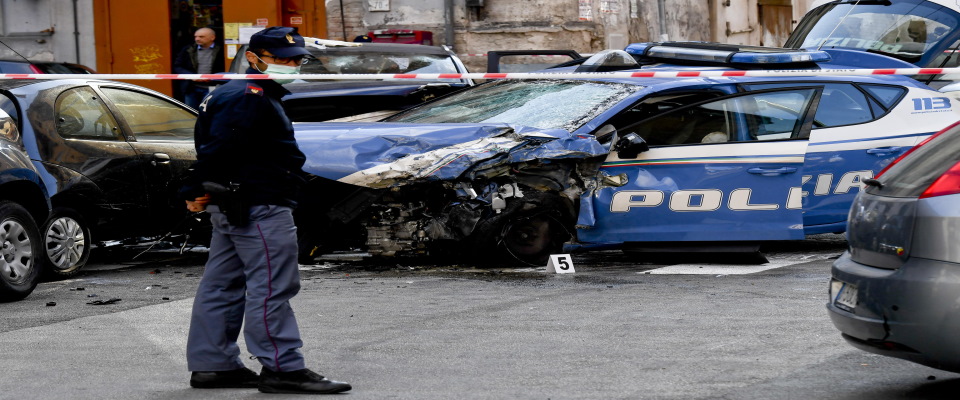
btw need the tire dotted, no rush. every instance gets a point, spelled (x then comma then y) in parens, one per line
(20, 241)
(66, 243)
(526, 233)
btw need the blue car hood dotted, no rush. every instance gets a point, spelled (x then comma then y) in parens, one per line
(383, 154)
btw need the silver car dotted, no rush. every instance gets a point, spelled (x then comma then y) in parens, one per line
(896, 291)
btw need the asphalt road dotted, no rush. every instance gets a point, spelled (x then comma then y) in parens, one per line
(621, 327)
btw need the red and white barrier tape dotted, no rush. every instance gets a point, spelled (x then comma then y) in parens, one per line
(513, 55)
(519, 75)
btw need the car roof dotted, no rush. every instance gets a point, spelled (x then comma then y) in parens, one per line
(693, 81)
(15, 83)
(951, 4)
(11, 84)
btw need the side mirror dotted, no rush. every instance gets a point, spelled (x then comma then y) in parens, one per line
(630, 145)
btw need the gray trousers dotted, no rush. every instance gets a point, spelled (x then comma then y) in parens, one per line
(250, 276)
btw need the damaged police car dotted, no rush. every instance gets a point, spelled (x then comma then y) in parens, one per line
(515, 170)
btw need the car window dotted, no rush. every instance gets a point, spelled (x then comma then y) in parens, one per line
(659, 104)
(904, 30)
(888, 96)
(756, 116)
(14, 67)
(150, 117)
(385, 63)
(335, 60)
(58, 68)
(840, 104)
(81, 114)
(544, 104)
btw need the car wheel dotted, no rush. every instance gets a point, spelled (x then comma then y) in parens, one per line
(66, 240)
(20, 240)
(526, 233)
(530, 240)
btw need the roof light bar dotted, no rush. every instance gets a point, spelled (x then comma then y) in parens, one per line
(716, 53)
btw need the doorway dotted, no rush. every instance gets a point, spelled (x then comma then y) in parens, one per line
(186, 16)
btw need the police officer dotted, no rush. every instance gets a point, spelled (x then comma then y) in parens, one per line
(247, 177)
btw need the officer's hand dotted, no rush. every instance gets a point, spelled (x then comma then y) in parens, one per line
(198, 204)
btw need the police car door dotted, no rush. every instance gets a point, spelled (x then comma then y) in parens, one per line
(721, 170)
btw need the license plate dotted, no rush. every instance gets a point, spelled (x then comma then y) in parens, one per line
(843, 295)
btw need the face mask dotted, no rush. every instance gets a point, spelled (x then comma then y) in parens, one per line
(280, 69)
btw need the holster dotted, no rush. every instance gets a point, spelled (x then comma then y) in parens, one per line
(233, 204)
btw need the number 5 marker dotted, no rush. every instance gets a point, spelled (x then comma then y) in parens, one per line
(560, 263)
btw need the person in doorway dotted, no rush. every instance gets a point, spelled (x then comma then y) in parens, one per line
(247, 177)
(202, 57)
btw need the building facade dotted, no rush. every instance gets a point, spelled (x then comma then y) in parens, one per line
(473, 27)
(143, 36)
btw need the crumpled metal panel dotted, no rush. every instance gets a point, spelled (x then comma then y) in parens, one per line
(389, 154)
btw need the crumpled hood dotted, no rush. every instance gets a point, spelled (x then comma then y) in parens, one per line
(383, 154)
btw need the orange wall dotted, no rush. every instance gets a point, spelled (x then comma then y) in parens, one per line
(310, 13)
(251, 10)
(133, 37)
(279, 12)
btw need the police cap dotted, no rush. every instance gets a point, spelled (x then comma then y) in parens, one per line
(281, 41)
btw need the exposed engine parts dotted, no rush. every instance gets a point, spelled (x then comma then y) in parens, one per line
(431, 218)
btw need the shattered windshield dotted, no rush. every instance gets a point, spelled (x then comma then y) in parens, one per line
(907, 29)
(363, 60)
(333, 62)
(544, 104)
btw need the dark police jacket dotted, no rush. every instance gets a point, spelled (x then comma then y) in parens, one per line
(243, 136)
(186, 63)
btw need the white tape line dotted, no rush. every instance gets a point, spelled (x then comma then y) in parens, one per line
(717, 269)
(518, 75)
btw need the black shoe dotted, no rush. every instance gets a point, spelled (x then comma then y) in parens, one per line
(237, 378)
(302, 381)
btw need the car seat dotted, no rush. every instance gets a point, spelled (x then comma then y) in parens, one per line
(715, 137)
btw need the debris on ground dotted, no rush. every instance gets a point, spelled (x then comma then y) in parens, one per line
(103, 302)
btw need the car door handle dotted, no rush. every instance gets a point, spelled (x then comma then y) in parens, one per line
(160, 158)
(884, 151)
(772, 171)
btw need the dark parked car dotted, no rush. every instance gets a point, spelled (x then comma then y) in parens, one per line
(322, 100)
(23, 201)
(42, 67)
(896, 291)
(109, 154)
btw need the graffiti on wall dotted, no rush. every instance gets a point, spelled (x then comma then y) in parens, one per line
(145, 60)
